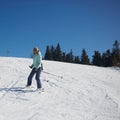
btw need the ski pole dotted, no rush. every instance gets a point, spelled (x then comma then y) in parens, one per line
(53, 74)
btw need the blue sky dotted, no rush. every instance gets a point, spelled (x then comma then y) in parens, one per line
(75, 24)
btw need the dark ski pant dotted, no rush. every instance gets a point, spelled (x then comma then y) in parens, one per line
(37, 77)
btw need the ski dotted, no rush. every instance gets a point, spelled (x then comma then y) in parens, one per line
(32, 90)
(27, 90)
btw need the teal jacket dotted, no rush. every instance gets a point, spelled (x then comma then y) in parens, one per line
(37, 58)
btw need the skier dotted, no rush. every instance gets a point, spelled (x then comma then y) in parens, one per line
(36, 69)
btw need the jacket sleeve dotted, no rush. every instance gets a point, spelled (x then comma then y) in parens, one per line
(38, 61)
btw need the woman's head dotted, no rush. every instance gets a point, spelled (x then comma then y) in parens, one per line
(35, 50)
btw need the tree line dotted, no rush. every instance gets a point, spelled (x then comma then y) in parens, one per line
(110, 57)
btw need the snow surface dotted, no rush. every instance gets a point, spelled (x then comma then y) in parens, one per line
(84, 92)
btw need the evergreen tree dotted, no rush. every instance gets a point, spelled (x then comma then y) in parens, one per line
(77, 59)
(107, 59)
(116, 54)
(85, 58)
(104, 64)
(63, 57)
(58, 53)
(53, 52)
(116, 49)
(48, 54)
(69, 57)
(97, 60)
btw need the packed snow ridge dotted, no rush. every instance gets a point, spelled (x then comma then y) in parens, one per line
(81, 93)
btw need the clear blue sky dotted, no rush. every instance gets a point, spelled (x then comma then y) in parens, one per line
(75, 24)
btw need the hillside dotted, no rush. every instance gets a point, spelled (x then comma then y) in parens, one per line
(84, 92)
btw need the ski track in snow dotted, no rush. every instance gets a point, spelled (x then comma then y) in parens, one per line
(84, 92)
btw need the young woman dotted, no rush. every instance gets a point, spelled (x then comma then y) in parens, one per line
(36, 69)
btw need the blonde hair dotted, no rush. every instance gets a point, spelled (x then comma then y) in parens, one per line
(36, 49)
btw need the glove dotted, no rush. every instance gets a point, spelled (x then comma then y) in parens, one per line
(41, 66)
(31, 66)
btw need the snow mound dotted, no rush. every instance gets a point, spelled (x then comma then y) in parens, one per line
(81, 93)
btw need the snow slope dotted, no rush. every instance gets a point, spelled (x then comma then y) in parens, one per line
(84, 92)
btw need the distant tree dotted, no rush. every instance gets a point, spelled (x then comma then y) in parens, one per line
(116, 49)
(53, 52)
(116, 54)
(48, 54)
(107, 59)
(63, 57)
(58, 53)
(104, 63)
(69, 57)
(97, 60)
(84, 58)
(77, 59)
